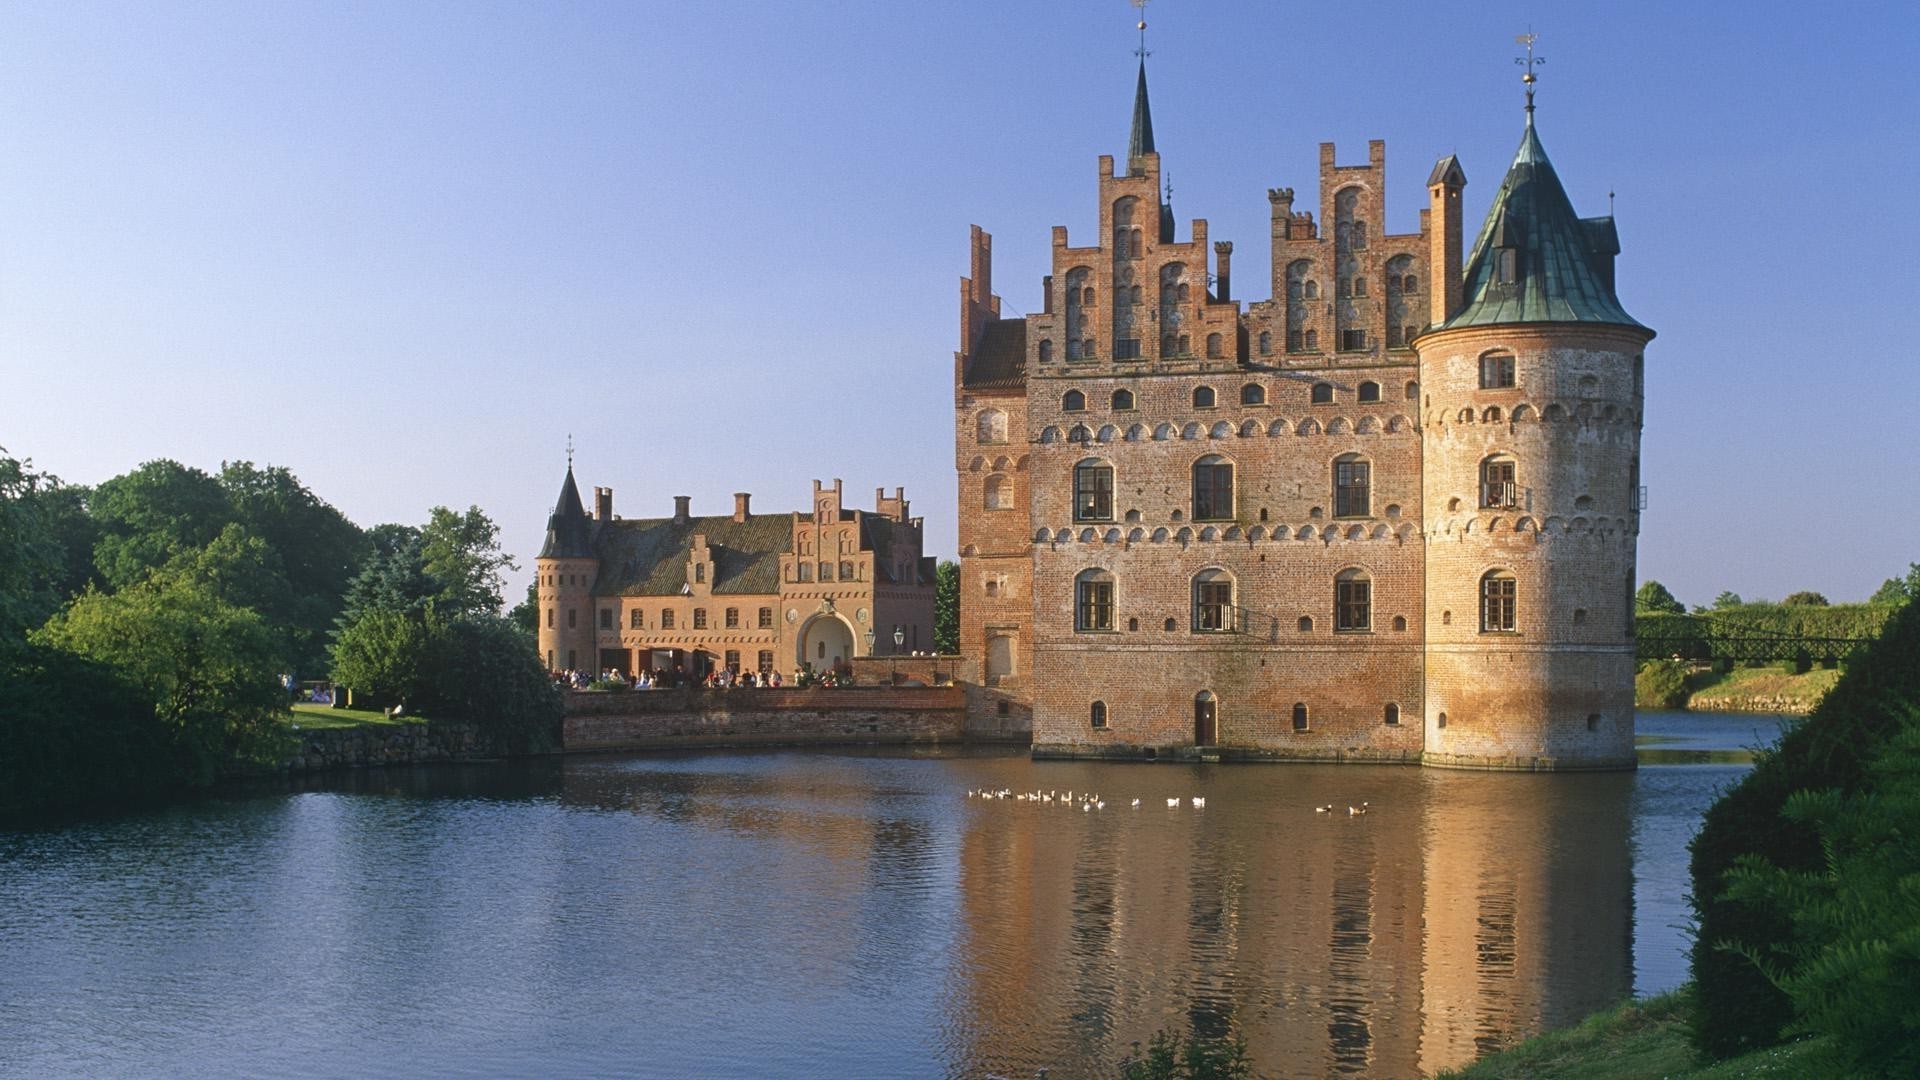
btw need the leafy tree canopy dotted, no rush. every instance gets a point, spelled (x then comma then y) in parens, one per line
(1805, 599)
(1895, 591)
(946, 607)
(210, 668)
(461, 553)
(1654, 597)
(1727, 600)
(32, 560)
(318, 548)
(151, 515)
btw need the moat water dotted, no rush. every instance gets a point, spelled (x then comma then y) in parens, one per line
(815, 914)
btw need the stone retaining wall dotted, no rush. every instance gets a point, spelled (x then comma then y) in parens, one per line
(392, 744)
(661, 719)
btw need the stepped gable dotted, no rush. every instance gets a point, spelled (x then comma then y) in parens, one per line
(647, 556)
(1000, 357)
(1535, 260)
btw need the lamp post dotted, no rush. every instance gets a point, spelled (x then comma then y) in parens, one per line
(899, 639)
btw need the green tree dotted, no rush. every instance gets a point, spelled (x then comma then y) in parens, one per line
(75, 733)
(210, 668)
(1896, 591)
(1804, 599)
(1654, 597)
(1726, 600)
(315, 549)
(485, 670)
(31, 559)
(380, 656)
(153, 514)
(461, 553)
(946, 607)
(526, 613)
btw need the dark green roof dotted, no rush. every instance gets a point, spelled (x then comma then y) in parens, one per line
(569, 530)
(648, 556)
(1140, 141)
(1562, 264)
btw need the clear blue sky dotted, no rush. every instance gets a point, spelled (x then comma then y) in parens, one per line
(405, 248)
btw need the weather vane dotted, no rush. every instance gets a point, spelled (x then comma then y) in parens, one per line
(569, 450)
(1528, 61)
(1142, 52)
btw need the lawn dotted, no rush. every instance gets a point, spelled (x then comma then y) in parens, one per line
(1743, 685)
(310, 717)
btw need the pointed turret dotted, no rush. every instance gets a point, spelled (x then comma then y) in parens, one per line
(1140, 142)
(1536, 261)
(569, 530)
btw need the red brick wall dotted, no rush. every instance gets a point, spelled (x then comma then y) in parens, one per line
(653, 719)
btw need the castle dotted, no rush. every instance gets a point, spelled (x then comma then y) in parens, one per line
(1389, 514)
(740, 591)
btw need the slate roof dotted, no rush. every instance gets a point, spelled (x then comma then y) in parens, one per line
(999, 356)
(569, 530)
(1140, 139)
(1563, 262)
(648, 556)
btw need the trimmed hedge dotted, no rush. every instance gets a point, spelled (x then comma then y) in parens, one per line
(1739, 1008)
(1702, 637)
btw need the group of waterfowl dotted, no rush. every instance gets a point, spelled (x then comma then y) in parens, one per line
(1352, 811)
(1086, 800)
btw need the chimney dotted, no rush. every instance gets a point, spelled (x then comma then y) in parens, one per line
(1443, 240)
(603, 503)
(740, 514)
(680, 514)
(1223, 279)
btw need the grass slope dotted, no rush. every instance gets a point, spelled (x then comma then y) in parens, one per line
(1742, 688)
(312, 717)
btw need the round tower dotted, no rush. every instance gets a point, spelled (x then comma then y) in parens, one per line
(567, 568)
(1531, 388)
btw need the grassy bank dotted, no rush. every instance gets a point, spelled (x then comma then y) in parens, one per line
(1763, 689)
(312, 717)
(1640, 1039)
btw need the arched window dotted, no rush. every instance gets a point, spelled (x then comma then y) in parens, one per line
(1313, 337)
(1097, 714)
(1306, 624)
(1212, 489)
(1212, 602)
(1499, 486)
(998, 493)
(1093, 491)
(1393, 715)
(1046, 350)
(1213, 344)
(1322, 393)
(1352, 486)
(1352, 602)
(1093, 600)
(1369, 391)
(1253, 394)
(1203, 397)
(846, 572)
(1123, 399)
(1496, 371)
(1413, 391)
(1359, 286)
(1399, 622)
(1073, 401)
(1266, 343)
(993, 586)
(1086, 296)
(1299, 716)
(992, 426)
(1497, 600)
(1313, 290)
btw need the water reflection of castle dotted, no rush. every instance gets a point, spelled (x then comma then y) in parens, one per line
(1461, 917)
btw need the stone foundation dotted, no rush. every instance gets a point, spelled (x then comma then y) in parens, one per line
(687, 718)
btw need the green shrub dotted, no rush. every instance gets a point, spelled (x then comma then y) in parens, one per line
(1849, 967)
(612, 686)
(1740, 1009)
(76, 733)
(1661, 684)
(486, 670)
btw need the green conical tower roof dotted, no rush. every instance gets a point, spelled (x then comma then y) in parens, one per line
(569, 530)
(1140, 143)
(1535, 260)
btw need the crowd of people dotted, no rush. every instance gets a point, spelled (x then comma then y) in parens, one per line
(719, 678)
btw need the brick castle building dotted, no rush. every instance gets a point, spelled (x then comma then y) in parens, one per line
(1388, 514)
(744, 591)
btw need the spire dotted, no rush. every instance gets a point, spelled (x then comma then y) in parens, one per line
(1536, 260)
(1140, 143)
(569, 530)
(1529, 61)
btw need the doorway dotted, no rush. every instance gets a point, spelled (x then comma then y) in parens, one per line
(1206, 719)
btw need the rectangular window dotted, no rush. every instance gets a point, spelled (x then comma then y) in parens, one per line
(635, 620)
(1212, 492)
(699, 618)
(606, 618)
(1095, 606)
(1496, 372)
(766, 618)
(1213, 606)
(846, 571)
(1497, 485)
(1353, 605)
(733, 618)
(549, 618)
(826, 571)
(1352, 489)
(1496, 604)
(1093, 493)
(699, 572)
(1126, 349)
(766, 661)
(666, 620)
(1353, 340)
(733, 660)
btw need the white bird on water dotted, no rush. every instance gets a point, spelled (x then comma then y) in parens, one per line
(1136, 802)
(1171, 803)
(1199, 802)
